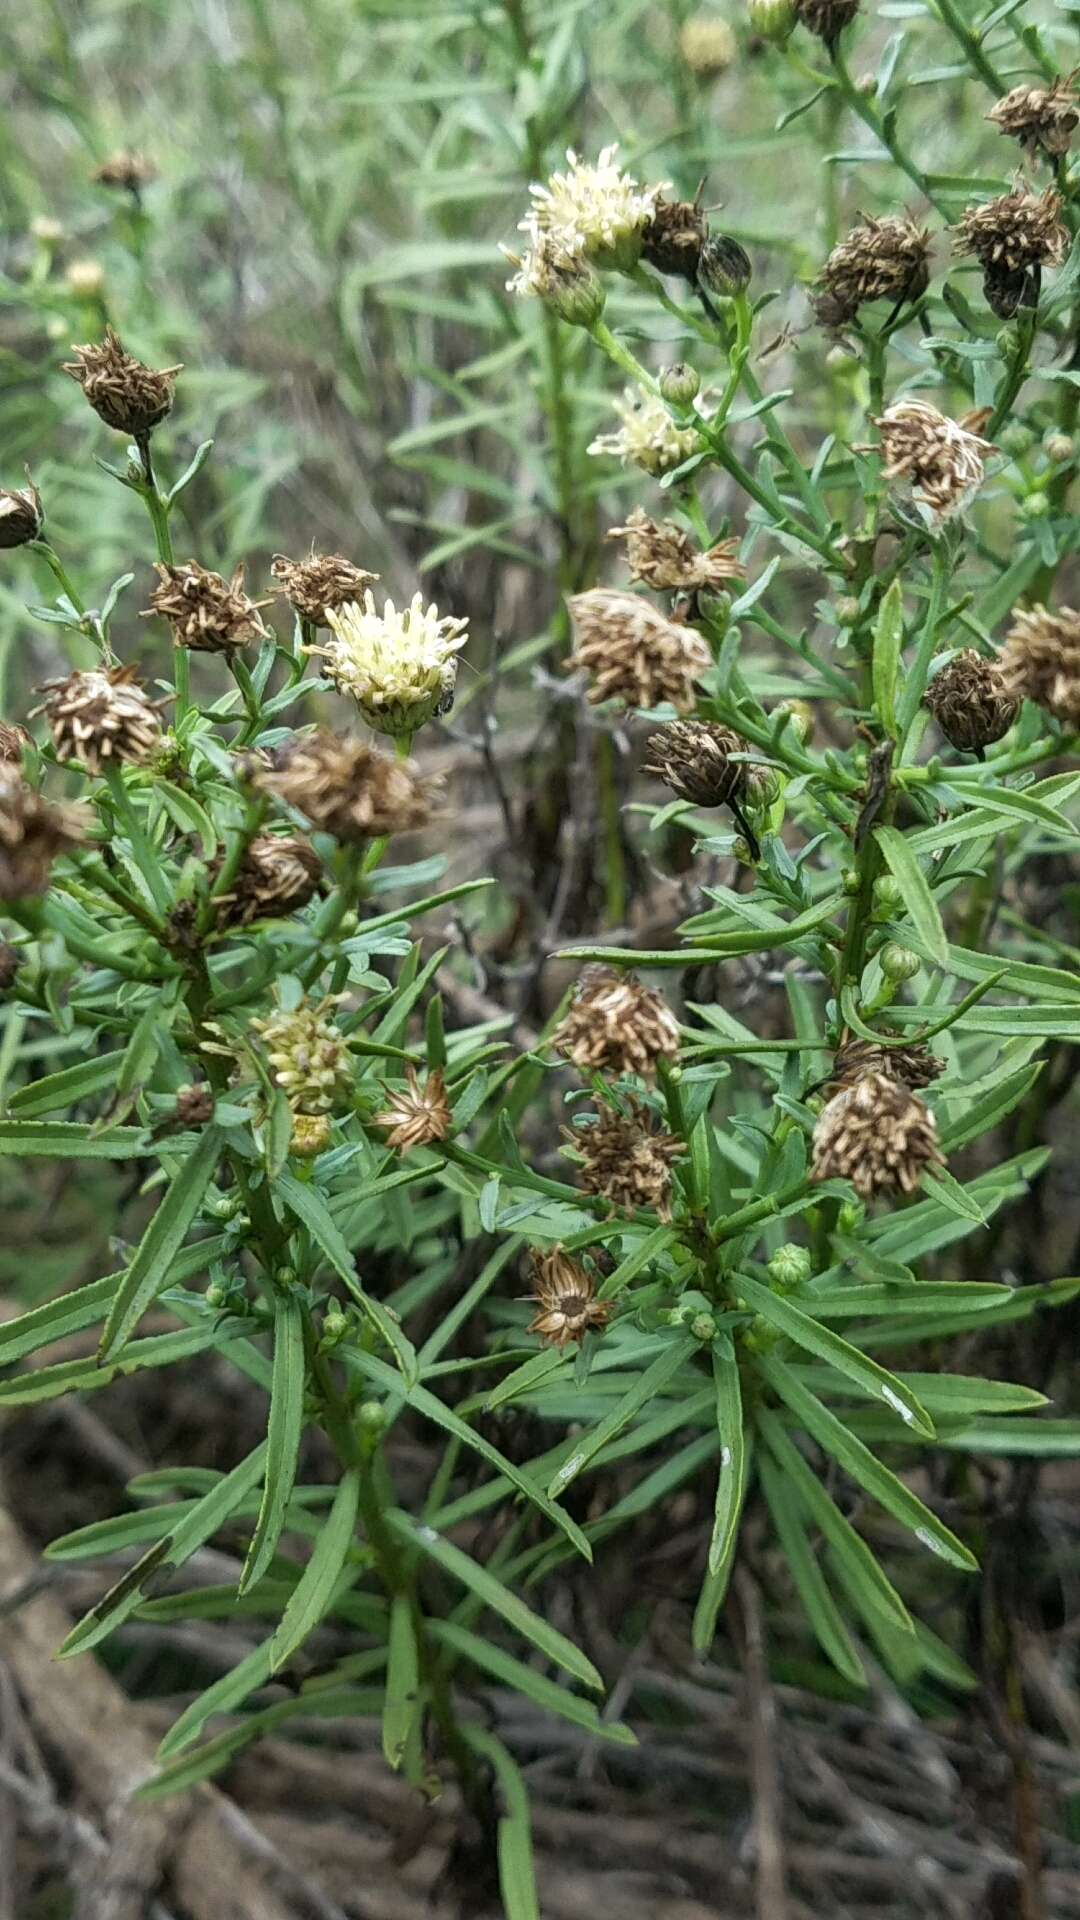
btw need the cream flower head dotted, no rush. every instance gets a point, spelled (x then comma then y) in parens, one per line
(648, 436)
(593, 212)
(399, 666)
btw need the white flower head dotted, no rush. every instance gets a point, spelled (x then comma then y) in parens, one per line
(593, 212)
(648, 436)
(564, 282)
(939, 461)
(399, 666)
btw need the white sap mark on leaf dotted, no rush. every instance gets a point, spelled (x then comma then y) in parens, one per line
(928, 1540)
(725, 1456)
(898, 1406)
(427, 1533)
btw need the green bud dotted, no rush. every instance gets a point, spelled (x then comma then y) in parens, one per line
(679, 384)
(849, 880)
(703, 1327)
(1016, 440)
(724, 267)
(334, 1326)
(286, 1276)
(1058, 447)
(575, 293)
(773, 19)
(790, 1267)
(887, 894)
(223, 1206)
(1035, 507)
(850, 1217)
(371, 1417)
(898, 963)
(215, 1295)
(800, 717)
(848, 610)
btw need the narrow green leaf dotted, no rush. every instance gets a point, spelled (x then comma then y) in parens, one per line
(532, 1373)
(517, 1873)
(646, 1388)
(224, 1696)
(857, 1460)
(915, 889)
(310, 1208)
(875, 1381)
(715, 1585)
(532, 1627)
(729, 1481)
(314, 1593)
(840, 1534)
(813, 1590)
(165, 1235)
(975, 1297)
(941, 1186)
(286, 1425)
(534, 1686)
(192, 1531)
(401, 1705)
(888, 641)
(69, 1140)
(64, 1088)
(89, 1375)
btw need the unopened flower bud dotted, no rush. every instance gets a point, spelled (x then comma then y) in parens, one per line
(310, 1135)
(887, 894)
(334, 1327)
(286, 1276)
(790, 1267)
(1016, 440)
(707, 44)
(847, 610)
(724, 267)
(371, 1417)
(1035, 507)
(215, 1295)
(703, 1327)
(1058, 447)
(679, 384)
(773, 19)
(850, 1217)
(849, 879)
(222, 1206)
(801, 718)
(898, 963)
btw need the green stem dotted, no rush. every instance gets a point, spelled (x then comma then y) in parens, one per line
(883, 131)
(615, 893)
(971, 45)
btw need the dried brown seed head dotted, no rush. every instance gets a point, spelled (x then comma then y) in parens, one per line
(971, 702)
(1041, 660)
(123, 392)
(565, 1294)
(33, 831)
(125, 168)
(1013, 238)
(346, 787)
(278, 874)
(309, 1057)
(12, 741)
(940, 460)
(1042, 119)
(626, 1157)
(666, 559)
(633, 653)
(416, 1115)
(101, 717)
(194, 1107)
(693, 758)
(673, 237)
(826, 18)
(615, 1025)
(878, 1134)
(21, 514)
(206, 613)
(886, 259)
(914, 1065)
(324, 580)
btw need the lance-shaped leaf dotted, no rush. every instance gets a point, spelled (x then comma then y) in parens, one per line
(809, 1334)
(160, 1244)
(286, 1425)
(314, 1593)
(915, 891)
(811, 1585)
(310, 1208)
(729, 1482)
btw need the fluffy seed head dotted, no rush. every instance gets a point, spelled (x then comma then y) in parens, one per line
(33, 831)
(665, 557)
(345, 787)
(1012, 238)
(886, 259)
(707, 44)
(416, 1115)
(206, 613)
(21, 514)
(278, 874)
(399, 667)
(615, 1025)
(693, 758)
(648, 437)
(673, 236)
(626, 1157)
(826, 18)
(876, 1133)
(913, 1066)
(1043, 119)
(634, 653)
(971, 701)
(125, 169)
(124, 393)
(565, 1294)
(101, 717)
(322, 580)
(940, 460)
(308, 1057)
(593, 212)
(1041, 660)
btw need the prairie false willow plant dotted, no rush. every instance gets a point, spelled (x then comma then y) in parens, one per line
(735, 1278)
